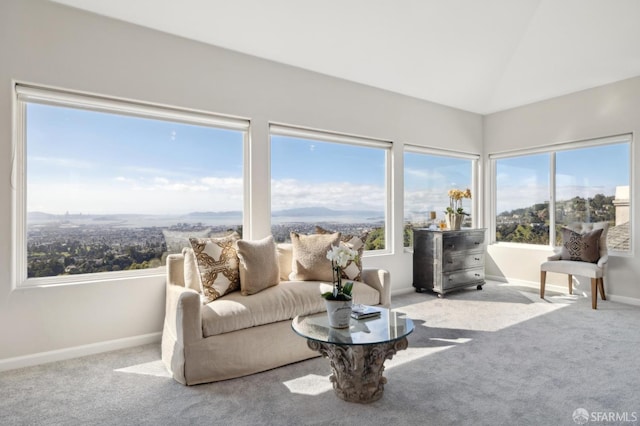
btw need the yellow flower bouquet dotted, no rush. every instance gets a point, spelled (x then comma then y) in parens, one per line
(455, 200)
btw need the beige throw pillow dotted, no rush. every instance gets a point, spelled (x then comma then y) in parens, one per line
(191, 273)
(353, 270)
(310, 261)
(581, 247)
(217, 260)
(285, 257)
(258, 265)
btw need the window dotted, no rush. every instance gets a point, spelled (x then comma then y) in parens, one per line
(112, 186)
(335, 181)
(522, 199)
(538, 193)
(428, 177)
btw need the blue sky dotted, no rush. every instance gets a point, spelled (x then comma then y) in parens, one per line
(585, 172)
(93, 163)
(427, 180)
(308, 173)
(87, 162)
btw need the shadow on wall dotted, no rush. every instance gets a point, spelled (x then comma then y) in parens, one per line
(492, 269)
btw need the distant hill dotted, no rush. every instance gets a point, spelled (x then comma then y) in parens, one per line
(35, 217)
(213, 214)
(325, 212)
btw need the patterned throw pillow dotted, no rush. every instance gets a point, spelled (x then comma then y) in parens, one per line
(581, 247)
(353, 270)
(217, 264)
(310, 261)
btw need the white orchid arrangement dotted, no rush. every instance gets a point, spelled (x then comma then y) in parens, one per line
(340, 256)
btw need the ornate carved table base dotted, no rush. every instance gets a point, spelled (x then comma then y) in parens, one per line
(357, 369)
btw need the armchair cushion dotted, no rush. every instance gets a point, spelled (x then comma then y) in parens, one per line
(583, 247)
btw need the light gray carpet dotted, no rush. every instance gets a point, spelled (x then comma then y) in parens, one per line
(500, 356)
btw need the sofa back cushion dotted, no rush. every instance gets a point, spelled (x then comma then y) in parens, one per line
(310, 256)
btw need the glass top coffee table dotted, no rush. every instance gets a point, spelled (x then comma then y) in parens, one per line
(357, 353)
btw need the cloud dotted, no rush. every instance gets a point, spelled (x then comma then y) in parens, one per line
(293, 193)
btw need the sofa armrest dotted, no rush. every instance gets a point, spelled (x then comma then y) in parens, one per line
(183, 316)
(380, 279)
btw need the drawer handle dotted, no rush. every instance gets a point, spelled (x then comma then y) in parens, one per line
(477, 275)
(476, 258)
(476, 242)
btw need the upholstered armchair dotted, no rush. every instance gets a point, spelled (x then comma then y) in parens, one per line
(583, 253)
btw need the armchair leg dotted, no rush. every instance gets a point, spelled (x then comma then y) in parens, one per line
(543, 278)
(594, 293)
(570, 284)
(601, 286)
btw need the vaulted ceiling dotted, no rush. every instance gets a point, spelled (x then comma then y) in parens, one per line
(477, 55)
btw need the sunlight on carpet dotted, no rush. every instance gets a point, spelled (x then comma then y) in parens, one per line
(311, 384)
(482, 314)
(153, 368)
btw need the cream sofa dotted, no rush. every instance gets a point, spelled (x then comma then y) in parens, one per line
(237, 335)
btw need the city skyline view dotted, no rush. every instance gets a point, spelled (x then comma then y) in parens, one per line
(111, 192)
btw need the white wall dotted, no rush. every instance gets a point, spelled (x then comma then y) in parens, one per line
(50, 44)
(604, 111)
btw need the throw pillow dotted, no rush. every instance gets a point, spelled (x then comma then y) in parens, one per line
(353, 270)
(217, 260)
(191, 273)
(258, 265)
(310, 256)
(581, 247)
(285, 257)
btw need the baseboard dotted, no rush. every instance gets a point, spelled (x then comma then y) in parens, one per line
(533, 284)
(624, 299)
(404, 290)
(77, 351)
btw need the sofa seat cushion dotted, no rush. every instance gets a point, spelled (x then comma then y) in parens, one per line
(279, 303)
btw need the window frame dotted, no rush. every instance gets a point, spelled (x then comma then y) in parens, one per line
(23, 94)
(287, 130)
(476, 212)
(552, 150)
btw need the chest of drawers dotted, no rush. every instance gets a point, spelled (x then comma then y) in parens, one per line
(444, 261)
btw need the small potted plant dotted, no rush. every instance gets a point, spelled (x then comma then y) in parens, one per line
(455, 213)
(339, 300)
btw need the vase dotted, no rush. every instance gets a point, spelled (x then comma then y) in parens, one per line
(454, 221)
(339, 312)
